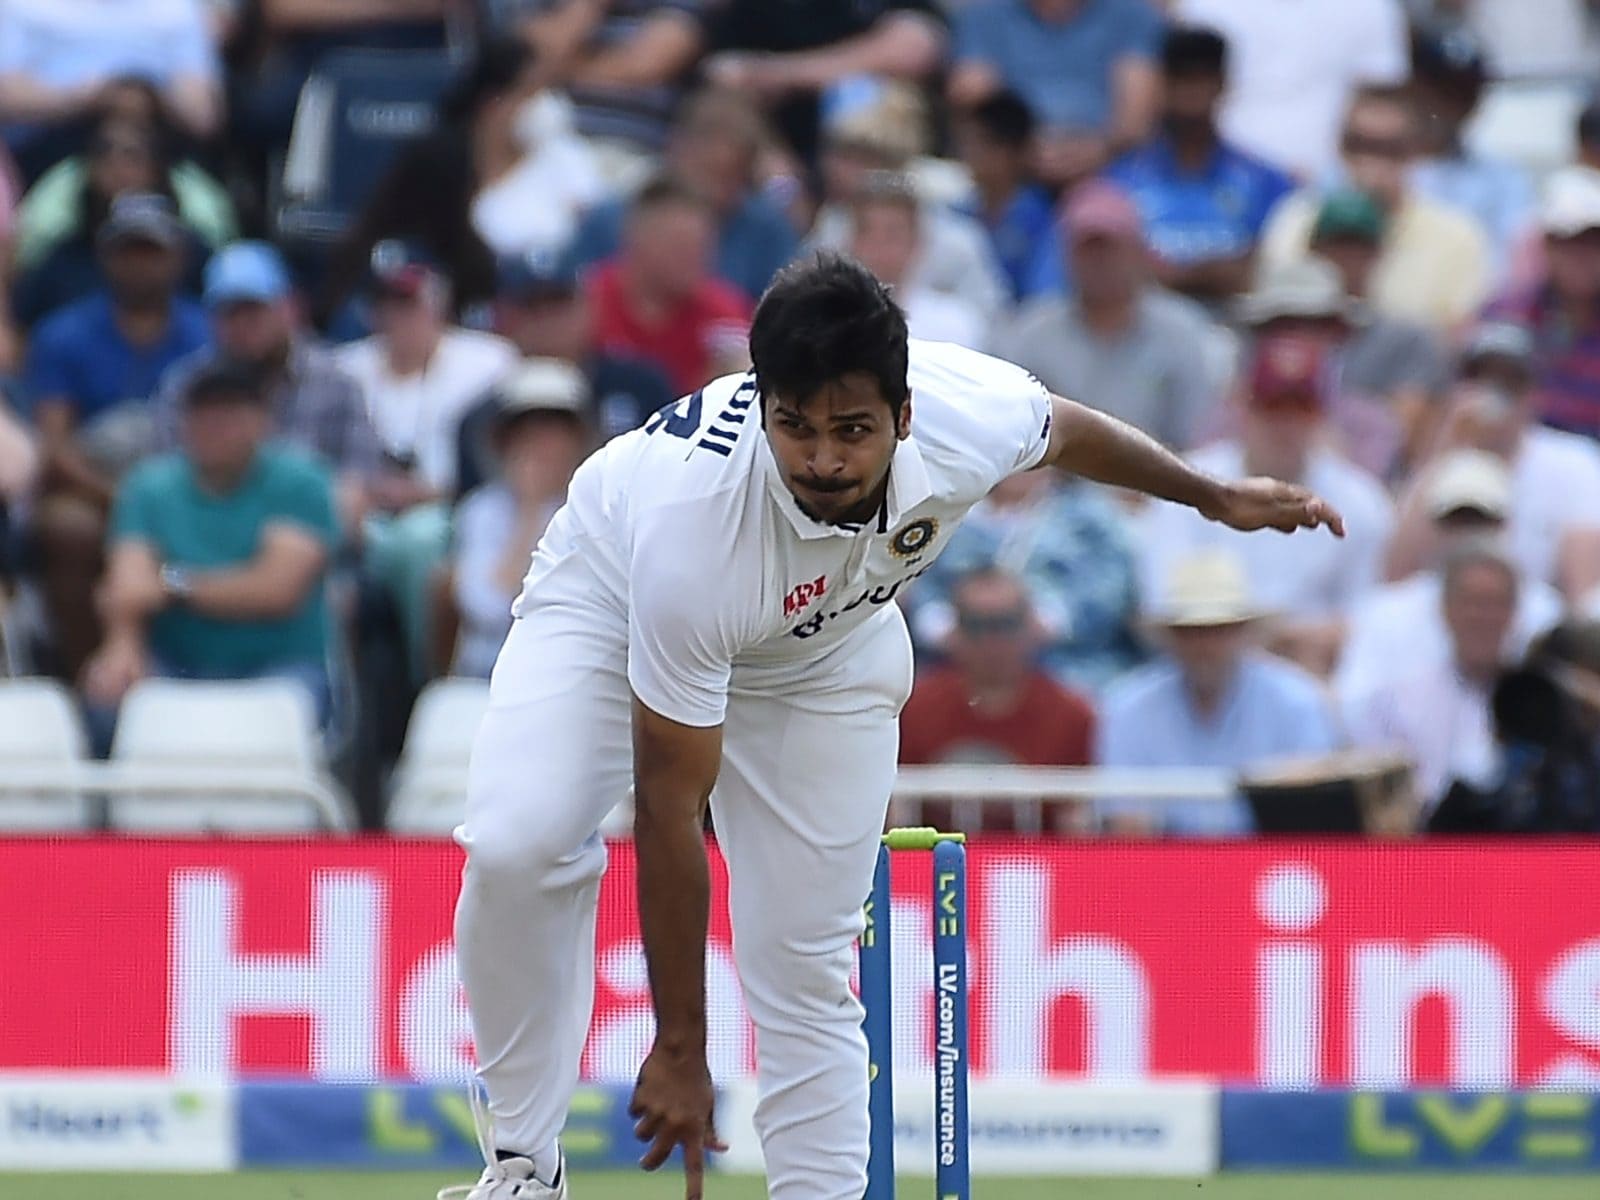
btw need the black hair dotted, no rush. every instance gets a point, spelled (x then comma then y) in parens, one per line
(225, 379)
(1005, 118)
(824, 317)
(1194, 50)
(497, 67)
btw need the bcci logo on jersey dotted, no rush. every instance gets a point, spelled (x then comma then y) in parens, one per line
(803, 594)
(913, 539)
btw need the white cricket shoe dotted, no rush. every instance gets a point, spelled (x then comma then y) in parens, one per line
(505, 1178)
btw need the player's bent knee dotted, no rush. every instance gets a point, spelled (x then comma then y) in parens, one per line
(530, 854)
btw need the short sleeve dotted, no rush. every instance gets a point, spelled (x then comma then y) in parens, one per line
(998, 413)
(1140, 32)
(133, 515)
(681, 639)
(304, 497)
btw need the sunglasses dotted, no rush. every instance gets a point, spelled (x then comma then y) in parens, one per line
(1357, 145)
(991, 624)
(1294, 401)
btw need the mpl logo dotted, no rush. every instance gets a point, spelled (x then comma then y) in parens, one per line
(803, 594)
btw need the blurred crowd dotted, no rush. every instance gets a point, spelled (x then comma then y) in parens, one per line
(310, 310)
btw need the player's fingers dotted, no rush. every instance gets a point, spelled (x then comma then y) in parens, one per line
(660, 1150)
(713, 1142)
(694, 1170)
(647, 1126)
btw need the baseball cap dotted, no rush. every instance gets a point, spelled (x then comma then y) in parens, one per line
(1498, 339)
(1100, 209)
(534, 274)
(1289, 371)
(1349, 214)
(141, 217)
(401, 268)
(1470, 479)
(245, 271)
(1307, 287)
(225, 379)
(542, 385)
(1571, 203)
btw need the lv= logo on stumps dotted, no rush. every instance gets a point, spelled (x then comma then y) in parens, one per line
(952, 1171)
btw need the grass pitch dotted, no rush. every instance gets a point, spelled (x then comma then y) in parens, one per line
(353, 1185)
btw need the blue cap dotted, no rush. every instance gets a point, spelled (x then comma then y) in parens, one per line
(245, 271)
(537, 273)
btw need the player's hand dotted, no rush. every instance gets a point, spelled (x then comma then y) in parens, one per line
(1251, 504)
(672, 1106)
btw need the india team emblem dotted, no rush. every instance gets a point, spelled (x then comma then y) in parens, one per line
(911, 540)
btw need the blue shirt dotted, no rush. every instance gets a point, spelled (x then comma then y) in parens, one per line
(753, 242)
(1062, 69)
(80, 355)
(1216, 212)
(1271, 709)
(1018, 234)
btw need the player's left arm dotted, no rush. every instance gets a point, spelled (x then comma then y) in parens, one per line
(1100, 447)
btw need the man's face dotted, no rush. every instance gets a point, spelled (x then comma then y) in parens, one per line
(669, 248)
(1354, 258)
(1478, 608)
(1330, 331)
(1575, 266)
(141, 274)
(833, 449)
(408, 319)
(1109, 268)
(1190, 102)
(1378, 144)
(885, 240)
(538, 454)
(1208, 655)
(716, 160)
(846, 168)
(991, 161)
(555, 325)
(222, 435)
(1443, 107)
(995, 638)
(252, 331)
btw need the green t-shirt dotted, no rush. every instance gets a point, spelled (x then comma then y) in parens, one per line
(163, 504)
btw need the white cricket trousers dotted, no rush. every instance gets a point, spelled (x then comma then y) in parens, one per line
(798, 807)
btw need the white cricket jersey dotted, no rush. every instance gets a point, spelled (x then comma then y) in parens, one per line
(725, 582)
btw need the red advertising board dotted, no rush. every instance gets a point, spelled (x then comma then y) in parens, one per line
(1273, 963)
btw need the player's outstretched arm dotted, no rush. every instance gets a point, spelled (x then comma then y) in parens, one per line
(674, 769)
(1099, 447)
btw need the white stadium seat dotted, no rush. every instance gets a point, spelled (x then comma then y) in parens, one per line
(40, 733)
(430, 780)
(235, 757)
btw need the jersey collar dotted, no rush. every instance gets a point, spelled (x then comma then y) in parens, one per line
(909, 486)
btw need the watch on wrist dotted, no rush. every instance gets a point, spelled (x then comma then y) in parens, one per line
(176, 582)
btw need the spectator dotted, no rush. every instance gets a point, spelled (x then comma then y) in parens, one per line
(61, 216)
(1121, 341)
(419, 374)
(1532, 39)
(712, 150)
(58, 59)
(132, 147)
(313, 403)
(1554, 523)
(1311, 583)
(1434, 263)
(541, 432)
(994, 704)
(1400, 626)
(623, 64)
(887, 239)
(1295, 69)
(1085, 67)
(657, 298)
(1437, 712)
(1204, 202)
(1449, 71)
(1212, 700)
(19, 461)
(887, 136)
(91, 370)
(1562, 307)
(994, 139)
(218, 556)
(1393, 375)
(545, 314)
(1072, 548)
(473, 187)
(797, 58)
